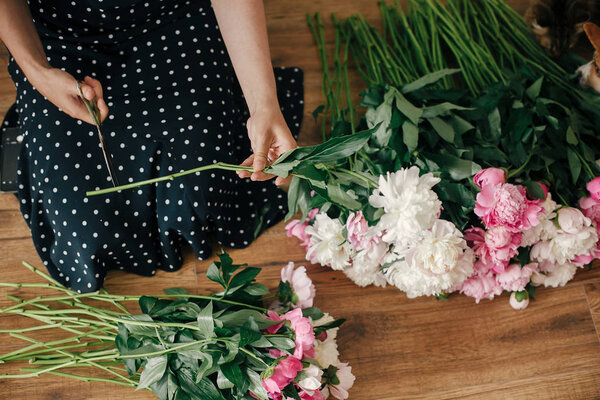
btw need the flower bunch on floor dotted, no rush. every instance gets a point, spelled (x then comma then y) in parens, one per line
(184, 346)
(474, 179)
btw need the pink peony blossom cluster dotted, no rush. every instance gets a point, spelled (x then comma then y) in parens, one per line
(558, 238)
(312, 367)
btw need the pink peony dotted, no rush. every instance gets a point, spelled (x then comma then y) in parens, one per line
(283, 374)
(496, 246)
(357, 228)
(303, 330)
(593, 187)
(515, 278)
(481, 287)
(507, 205)
(300, 283)
(582, 260)
(273, 316)
(489, 176)
(297, 228)
(317, 395)
(590, 208)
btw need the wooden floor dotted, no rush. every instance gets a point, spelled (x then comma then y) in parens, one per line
(398, 348)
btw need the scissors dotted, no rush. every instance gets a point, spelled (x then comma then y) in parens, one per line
(95, 113)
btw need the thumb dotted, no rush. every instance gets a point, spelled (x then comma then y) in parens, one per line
(260, 157)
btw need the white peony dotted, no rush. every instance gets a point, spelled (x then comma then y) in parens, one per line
(410, 205)
(326, 353)
(576, 237)
(438, 263)
(327, 243)
(366, 266)
(557, 276)
(311, 379)
(546, 229)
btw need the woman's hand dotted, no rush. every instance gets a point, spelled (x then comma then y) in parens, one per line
(61, 89)
(270, 137)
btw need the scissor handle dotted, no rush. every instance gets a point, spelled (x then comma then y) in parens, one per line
(91, 107)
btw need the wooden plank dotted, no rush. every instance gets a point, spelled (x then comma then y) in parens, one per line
(8, 202)
(567, 386)
(426, 350)
(13, 226)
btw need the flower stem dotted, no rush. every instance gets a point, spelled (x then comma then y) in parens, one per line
(219, 165)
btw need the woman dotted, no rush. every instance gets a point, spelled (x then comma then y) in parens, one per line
(166, 71)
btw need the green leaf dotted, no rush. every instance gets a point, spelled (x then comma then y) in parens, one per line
(256, 289)
(313, 313)
(441, 109)
(318, 111)
(410, 135)
(574, 164)
(533, 91)
(494, 121)
(214, 274)
(293, 197)
(233, 372)
(457, 168)
(342, 198)
(521, 295)
(407, 108)
(139, 329)
(534, 189)
(153, 370)
(223, 382)
(205, 366)
(249, 333)
(206, 322)
(571, 138)
(290, 391)
(237, 319)
(428, 79)
(381, 116)
(256, 386)
(202, 390)
(460, 125)
(247, 275)
(445, 130)
(282, 343)
(340, 147)
(146, 303)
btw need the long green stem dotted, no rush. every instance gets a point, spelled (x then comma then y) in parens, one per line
(219, 165)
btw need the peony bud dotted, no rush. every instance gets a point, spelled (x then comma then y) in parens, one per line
(519, 304)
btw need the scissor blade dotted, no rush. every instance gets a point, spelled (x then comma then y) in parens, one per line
(112, 172)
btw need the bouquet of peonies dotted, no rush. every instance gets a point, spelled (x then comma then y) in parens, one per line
(223, 346)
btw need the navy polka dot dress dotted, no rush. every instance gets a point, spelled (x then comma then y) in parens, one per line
(175, 104)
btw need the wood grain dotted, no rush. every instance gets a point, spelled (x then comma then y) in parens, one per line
(399, 348)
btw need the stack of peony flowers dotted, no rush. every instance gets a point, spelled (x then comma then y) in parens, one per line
(522, 242)
(314, 367)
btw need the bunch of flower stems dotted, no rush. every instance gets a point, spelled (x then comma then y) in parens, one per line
(93, 331)
(486, 39)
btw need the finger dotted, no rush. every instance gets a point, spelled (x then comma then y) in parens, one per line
(96, 85)
(103, 109)
(260, 176)
(88, 92)
(260, 159)
(282, 181)
(247, 162)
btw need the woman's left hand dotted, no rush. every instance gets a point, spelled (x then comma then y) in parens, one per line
(270, 137)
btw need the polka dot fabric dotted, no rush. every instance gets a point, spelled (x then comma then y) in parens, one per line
(174, 105)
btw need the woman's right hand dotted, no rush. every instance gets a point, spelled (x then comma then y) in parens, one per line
(61, 89)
